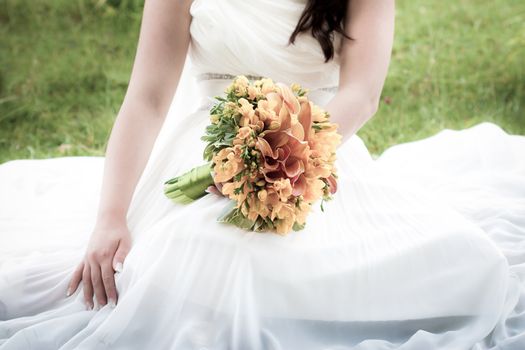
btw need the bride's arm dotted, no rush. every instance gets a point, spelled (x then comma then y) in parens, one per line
(364, 63)
(161, 51)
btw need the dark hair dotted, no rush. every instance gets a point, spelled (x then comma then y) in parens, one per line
(322, 18)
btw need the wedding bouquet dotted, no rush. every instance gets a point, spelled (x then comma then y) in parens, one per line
(270, 150)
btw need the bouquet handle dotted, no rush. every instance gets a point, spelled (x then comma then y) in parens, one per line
(191, 185)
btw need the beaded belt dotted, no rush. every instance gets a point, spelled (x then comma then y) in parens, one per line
(225, 76)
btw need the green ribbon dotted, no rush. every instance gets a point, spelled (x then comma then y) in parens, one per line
(191, 185)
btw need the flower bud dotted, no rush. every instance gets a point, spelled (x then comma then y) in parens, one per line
(262, 194)
(274, 125)
(214, 118)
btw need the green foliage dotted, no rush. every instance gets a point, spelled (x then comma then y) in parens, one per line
(220, 135)
(65, 65)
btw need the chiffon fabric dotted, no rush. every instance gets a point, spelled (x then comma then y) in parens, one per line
(421, 248)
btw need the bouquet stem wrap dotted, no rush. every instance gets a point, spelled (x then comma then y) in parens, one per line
(191, 185)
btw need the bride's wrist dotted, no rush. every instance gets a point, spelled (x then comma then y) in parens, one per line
(109, 219)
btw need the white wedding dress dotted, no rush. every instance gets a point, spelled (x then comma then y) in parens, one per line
(422, 248)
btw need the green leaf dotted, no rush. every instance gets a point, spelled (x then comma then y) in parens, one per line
(234, 216)
(298, 227)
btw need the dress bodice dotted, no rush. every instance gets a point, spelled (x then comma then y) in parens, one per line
(251, 37)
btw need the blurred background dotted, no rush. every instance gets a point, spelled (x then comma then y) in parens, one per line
(65, 66)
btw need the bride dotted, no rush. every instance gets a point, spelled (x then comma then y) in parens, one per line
(421, 248)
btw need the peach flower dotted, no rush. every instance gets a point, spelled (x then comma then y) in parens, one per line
(228, 163)
(247, 112)
(289, 98)
(284, 146)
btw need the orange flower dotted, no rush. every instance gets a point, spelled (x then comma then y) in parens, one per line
(267, 86)
(285, 147)
(318, 114)
(324, 142)
(317, 167)
(228, 163)
(285, 214)
(301, 212)
(240, 85)
(255, 208)
(247, 112)
(244, 132)
(313, 190)
(289, 98)
(283, 188)
(254, 92)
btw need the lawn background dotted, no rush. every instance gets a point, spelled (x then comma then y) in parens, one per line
(65, 65)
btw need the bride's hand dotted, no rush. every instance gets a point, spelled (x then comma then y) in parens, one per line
(216, 188)
(105, 254)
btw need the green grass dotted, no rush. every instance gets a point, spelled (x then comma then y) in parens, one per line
(454, 64)
(65, 65)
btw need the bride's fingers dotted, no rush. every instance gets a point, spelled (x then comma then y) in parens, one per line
(88, 287)
(75, 279)
(98, 286)
(108, 278)
(214, 190)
